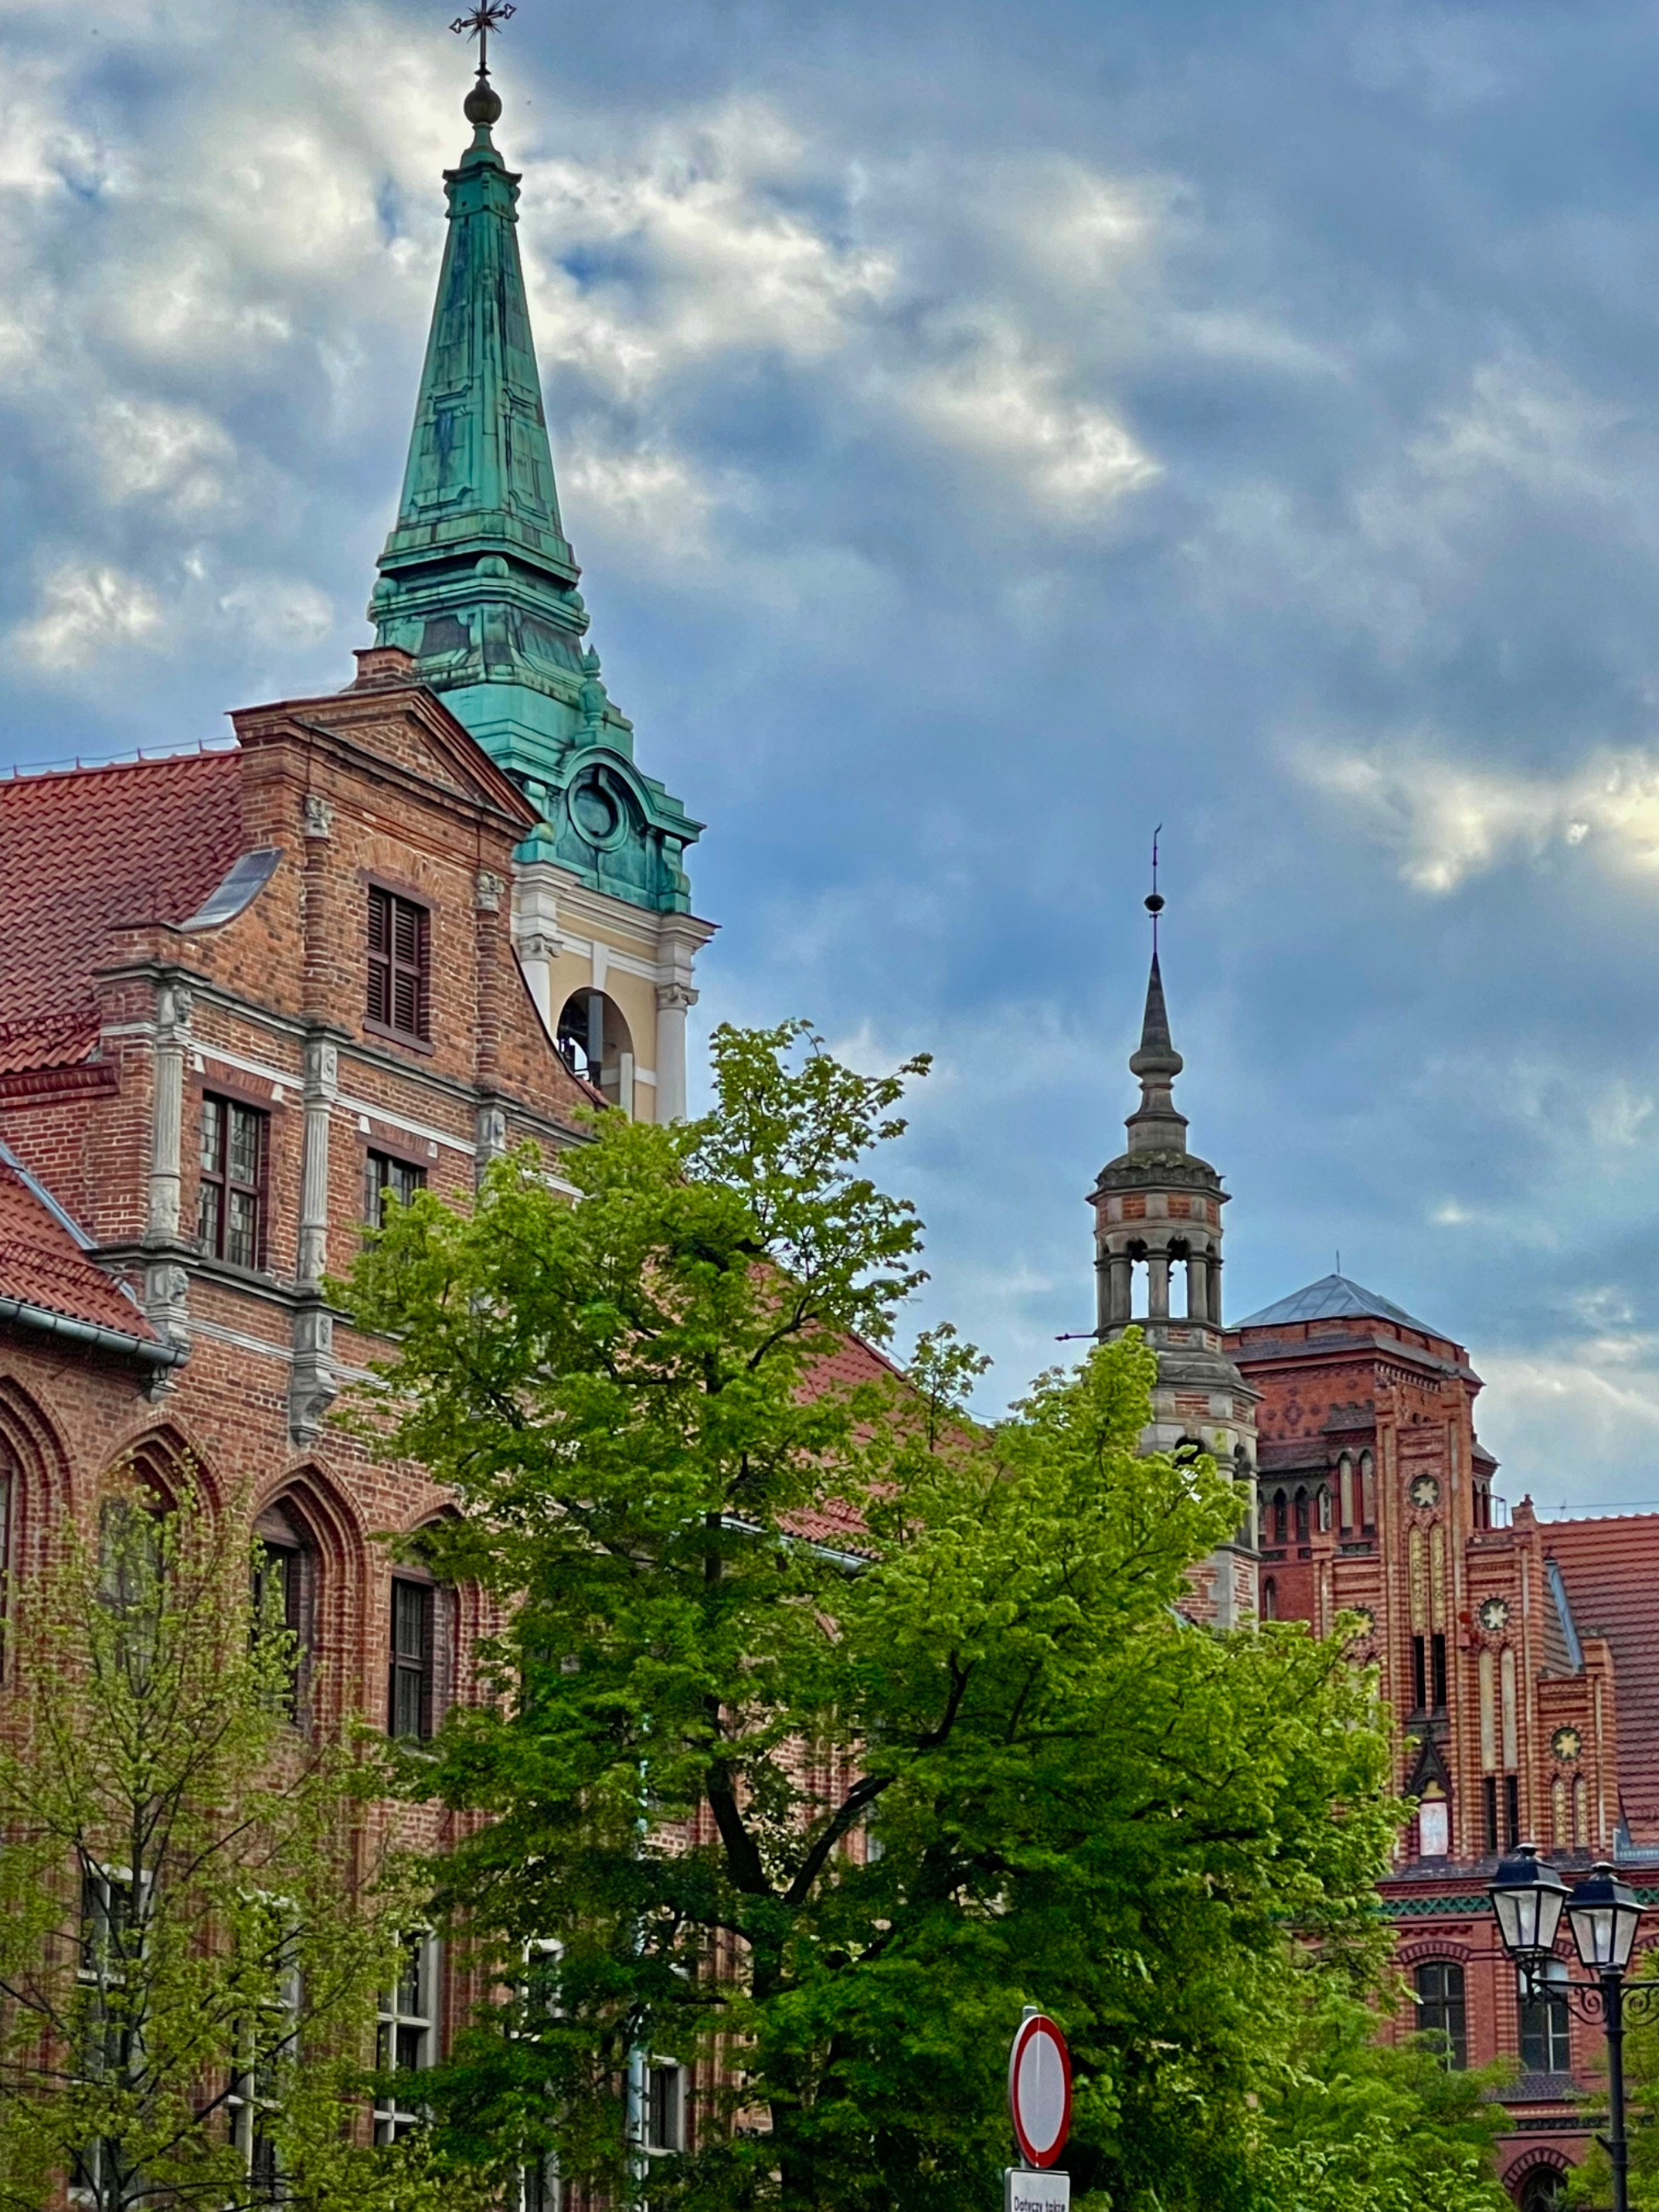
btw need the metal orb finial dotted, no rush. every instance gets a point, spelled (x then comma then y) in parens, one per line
(1154, 899)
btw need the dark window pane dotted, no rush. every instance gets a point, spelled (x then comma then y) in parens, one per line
(241, 1232)
(1544, 2039)
(409, 1701)
(412, 1608)
(665, 2115)
(244, 1144)
(1440, 2010)
(212, 1134)
(230, 1206)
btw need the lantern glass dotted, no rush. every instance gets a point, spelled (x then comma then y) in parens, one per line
(1527, 1895)
(1604, 1915)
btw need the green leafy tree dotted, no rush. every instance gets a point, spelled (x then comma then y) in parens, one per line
(191, 1942)
(830, 1728)
(1349, 2123)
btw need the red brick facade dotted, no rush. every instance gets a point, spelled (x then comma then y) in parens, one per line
(195, 939)
(1511, 1652)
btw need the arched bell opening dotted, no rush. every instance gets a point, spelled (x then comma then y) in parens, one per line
(594, 1042)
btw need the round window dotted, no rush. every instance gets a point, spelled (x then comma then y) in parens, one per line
(594, 812)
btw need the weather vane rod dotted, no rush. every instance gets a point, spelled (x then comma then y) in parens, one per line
(1155, 904)
(489, 15)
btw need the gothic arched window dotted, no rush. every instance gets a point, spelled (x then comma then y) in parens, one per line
(1344, 1492)
(1367, 1494)
(1541, 2190)
(1281, 1518)
(10, 1484)
(1301, 1516)
(1270, 1600)
(1323, 1497)
(285, 1578)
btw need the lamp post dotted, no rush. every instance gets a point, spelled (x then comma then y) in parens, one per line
(1527, 1896)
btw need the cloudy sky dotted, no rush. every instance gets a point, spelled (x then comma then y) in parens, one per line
(988, 430)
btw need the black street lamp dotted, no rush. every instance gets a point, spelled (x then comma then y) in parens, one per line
(1527, 1897)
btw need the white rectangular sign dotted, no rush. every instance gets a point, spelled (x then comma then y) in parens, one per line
(1037, 2192)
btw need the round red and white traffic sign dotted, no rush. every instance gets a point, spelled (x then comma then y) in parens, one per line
(1040, 2090)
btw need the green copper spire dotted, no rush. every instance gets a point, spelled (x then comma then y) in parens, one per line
(477, 580)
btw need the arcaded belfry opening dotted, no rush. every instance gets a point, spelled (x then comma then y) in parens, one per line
(1157, 1210)
(594, 1041)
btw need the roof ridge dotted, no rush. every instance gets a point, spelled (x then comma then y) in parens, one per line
(33, 1184)
(1597, 1520)
(60, 772)
(1342, 1299)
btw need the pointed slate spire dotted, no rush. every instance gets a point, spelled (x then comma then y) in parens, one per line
(477, 582)
(480, 473)
(1155, 1126)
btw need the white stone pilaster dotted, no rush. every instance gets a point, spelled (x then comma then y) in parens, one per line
(535, 936)
(172, 1007)
(674, 1002)
(322, 1071)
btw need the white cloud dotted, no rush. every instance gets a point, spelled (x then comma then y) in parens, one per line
(177, 455)
(1449, 820)
(1524, 420)
(999, 397)
(277, 611)
(650, 498)
(83, 610)
(1560, 1418)
(698, 254)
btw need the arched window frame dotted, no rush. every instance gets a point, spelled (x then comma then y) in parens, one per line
(1440, 2001)
(11, 1488)
(39, 1494)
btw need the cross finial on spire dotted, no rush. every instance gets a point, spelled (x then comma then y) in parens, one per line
(486, 16)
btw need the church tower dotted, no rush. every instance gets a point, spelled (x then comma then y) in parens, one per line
(477, 599)
(1158, 1224)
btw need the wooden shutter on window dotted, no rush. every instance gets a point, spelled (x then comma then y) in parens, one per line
(408, 968)
(399, 963)
(380, 957)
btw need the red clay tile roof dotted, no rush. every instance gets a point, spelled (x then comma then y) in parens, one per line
(42, 1266)
(83, 851)
(1611, 1568)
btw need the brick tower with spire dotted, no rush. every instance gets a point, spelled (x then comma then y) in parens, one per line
(1157, 1223)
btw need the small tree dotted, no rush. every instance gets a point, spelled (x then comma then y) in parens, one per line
(829, 1729)
(190, 1939)
(1349, 2123)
